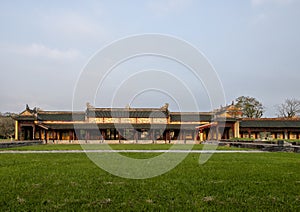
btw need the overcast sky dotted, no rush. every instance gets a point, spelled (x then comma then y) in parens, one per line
(254, 46)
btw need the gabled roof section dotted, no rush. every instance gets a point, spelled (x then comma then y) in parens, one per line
(229, 111)
(26, 115)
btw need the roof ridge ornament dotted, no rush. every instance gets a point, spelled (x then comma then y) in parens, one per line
(127, 106)
(165, 106)
(89, 106)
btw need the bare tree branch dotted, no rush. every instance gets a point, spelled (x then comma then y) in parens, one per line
(290, 108)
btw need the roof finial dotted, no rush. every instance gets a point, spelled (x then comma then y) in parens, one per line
(89, 106)
(165, 107)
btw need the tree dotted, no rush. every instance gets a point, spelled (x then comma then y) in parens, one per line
(290, 108)
(251, 108)
(6, 126)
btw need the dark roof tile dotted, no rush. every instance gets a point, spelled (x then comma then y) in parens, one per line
(61, 116)
(127, 113)
(270, 123)
(190, 117)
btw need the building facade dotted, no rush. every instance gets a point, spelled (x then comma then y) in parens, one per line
(148, 124)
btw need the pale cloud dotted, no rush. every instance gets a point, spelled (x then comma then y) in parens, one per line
(73, 26)
(263, 2)
(162, 7)
(260, 18)
(42, 51)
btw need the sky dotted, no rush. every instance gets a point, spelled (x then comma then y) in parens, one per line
(253, 45)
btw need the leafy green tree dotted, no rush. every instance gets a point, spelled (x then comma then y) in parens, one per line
(290, 108)
(250, 107)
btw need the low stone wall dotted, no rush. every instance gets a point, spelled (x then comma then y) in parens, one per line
(19, 143)
(280, 146)
(120, 142)
(279, 149)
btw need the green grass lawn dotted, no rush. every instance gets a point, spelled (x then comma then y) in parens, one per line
(66, 182)
(117, 147)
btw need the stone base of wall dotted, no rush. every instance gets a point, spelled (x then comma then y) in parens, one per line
(19, 143)
(279, 149)
(120, 142)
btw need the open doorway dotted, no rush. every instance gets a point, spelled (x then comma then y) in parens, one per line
(27, 133)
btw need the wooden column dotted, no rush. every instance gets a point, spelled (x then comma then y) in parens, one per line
(87, 135)
(201, 136)
(152, 135)
(33, 132)
(285, 134)
(236, 132)
(124, 134)
(180, 135)
(70, 135)
(16, 130)
(136, 136)
(40, 134)
(196, 133)
(46, 136)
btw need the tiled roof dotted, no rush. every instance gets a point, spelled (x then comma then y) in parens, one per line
(190, 116)
(61, 116)
(127, 112)
(270, 123)
(182, 126)
(24, 118)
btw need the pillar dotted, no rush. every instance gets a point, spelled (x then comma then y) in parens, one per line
(46, 136)
(16, 130)
(87, 135)
(136, 136)
(201, 135)
(33, 132)
(285, 134)
(40, 134)
(152, 135)
(217, 132)
(236, 132)
(181, 135)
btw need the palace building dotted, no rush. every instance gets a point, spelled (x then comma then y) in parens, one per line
(154, 124)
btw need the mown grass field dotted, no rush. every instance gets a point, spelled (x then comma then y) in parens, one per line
(117, 147)
(231, 181)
